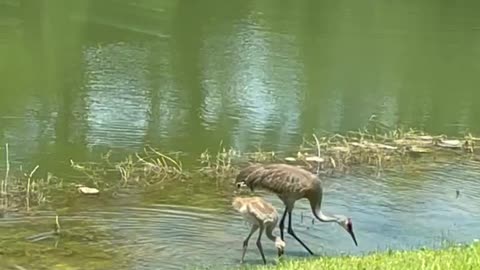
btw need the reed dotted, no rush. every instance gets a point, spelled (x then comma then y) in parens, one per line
(372, 148)
(27, 196)
(4, 190)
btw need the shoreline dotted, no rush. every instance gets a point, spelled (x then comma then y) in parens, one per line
(450, 257)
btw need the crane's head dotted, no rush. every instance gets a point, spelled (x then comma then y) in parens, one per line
(247, 176)
(347, 224)
(241, 182)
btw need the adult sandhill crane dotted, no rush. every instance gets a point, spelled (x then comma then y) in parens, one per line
(291, 183)
(261, 215)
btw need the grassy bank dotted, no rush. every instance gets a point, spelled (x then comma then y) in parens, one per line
(458, 257)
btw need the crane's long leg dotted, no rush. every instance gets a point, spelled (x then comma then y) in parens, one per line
(281, 226)
(245, 243)
(290, 231)
(259, 245)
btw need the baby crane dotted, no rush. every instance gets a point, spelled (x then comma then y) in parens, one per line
(291, 183)
(261, 215)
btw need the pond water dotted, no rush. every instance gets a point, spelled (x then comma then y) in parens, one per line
(79, 79)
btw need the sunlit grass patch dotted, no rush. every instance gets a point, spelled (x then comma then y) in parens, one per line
(454, 257)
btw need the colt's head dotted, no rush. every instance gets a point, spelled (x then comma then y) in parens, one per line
(347, 224)
(280, 245)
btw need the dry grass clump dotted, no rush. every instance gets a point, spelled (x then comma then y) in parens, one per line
(225, 163)
(377, 147)
(219, 165)
(23, 189)
(146, 168)
(26, 191)
(374, 147)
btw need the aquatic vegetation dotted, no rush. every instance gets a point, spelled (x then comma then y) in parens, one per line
(454, 257)
(374, 148)
(74, 246)
(145, 168)
(220, 164)
(21, 190)
(378, 147)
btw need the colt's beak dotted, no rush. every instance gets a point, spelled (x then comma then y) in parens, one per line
(280, 252)
(353, 237)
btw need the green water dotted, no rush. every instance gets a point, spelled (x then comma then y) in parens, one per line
(79, 78)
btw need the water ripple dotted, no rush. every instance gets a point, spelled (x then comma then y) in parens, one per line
(394, 211)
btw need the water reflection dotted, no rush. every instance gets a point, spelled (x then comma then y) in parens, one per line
(117, 103)
(261, 112)
(251, 75)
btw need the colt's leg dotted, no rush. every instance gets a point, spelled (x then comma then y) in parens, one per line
(259, 245)
(245, 243)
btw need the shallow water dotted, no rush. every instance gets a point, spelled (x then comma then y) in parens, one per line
(79, 79)
(387, 211)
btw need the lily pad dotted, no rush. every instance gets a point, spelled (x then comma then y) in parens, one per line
(412, 142)
(361, 145)
(450, 143)
(88, 190)
(340, 148)
(315, 158)
(381, 146)
(419, 150)
(421, 137)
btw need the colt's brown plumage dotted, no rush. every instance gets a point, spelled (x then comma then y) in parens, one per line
(291, 183)
(261, 215)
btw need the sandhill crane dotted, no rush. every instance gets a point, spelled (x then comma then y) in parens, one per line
(291, 183)
(261, 215)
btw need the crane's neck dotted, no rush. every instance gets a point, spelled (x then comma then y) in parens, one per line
(315, 203)
(324, 218)
(317, 212)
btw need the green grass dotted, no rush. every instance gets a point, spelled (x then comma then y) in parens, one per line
(457, 257)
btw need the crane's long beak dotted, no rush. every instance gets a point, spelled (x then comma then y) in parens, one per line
(353, 237)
